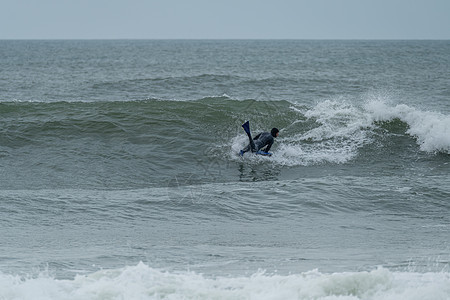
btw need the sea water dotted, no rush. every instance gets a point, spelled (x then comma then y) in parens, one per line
(120, 175)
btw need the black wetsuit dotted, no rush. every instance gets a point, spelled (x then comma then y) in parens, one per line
(260, 141)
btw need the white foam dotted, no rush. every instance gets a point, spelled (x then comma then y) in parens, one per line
(335, 139)
(431, 129)
(144, 282)
(341, 129)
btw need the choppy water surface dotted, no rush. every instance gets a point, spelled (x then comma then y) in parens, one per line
(120, 175)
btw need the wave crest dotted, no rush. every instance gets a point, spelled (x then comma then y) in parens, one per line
(335, 131)
(431, 129)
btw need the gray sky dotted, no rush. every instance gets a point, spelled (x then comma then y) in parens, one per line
(226, 19)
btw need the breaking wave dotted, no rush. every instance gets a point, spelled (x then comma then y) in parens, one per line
(144, 282)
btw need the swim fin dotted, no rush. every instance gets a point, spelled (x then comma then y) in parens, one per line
(246, 127)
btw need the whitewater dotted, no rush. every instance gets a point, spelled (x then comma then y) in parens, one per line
(143, 282)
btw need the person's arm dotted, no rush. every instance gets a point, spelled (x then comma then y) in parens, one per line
(269, 145)
(257, 136)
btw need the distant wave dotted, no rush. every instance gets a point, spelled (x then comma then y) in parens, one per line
(169, 79)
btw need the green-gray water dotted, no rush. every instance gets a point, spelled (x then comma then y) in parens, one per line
(119, 162)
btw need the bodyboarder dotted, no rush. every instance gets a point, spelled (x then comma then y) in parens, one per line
(256, 144)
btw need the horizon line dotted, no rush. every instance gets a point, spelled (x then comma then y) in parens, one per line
(227, 39)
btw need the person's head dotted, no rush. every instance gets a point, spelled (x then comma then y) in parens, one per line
(274, 132)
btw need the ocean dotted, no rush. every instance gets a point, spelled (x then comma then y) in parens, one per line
(121, 179)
